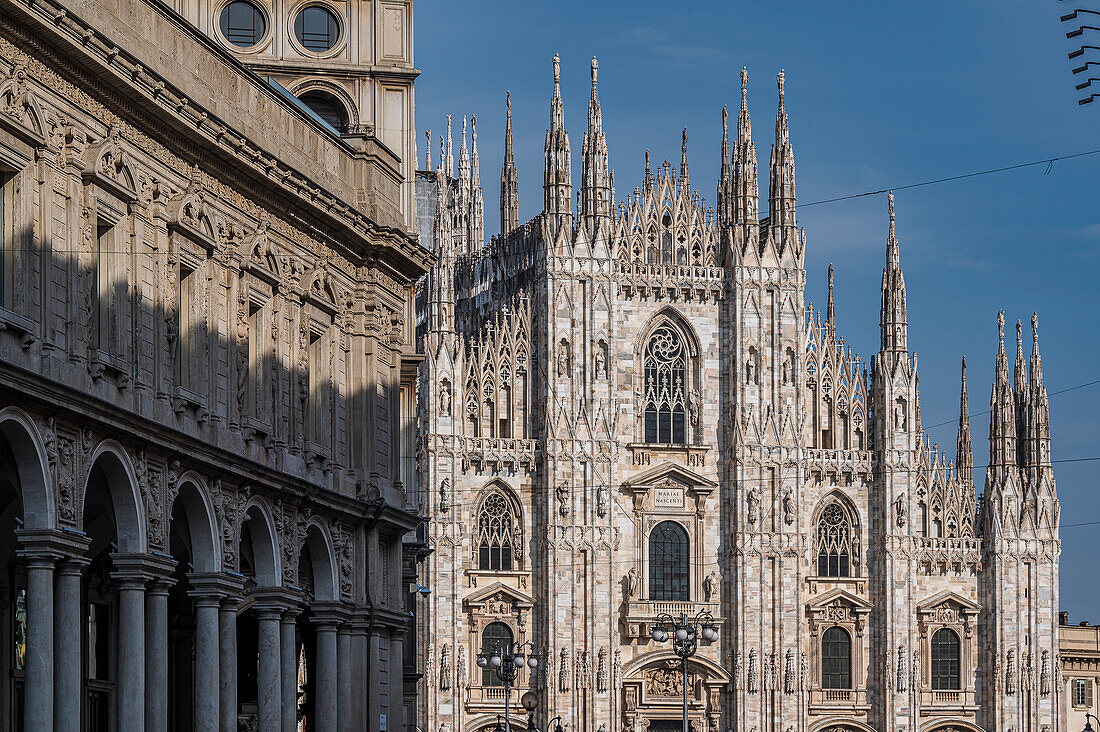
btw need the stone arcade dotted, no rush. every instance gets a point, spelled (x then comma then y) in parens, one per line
(632, 410)
(207, 380)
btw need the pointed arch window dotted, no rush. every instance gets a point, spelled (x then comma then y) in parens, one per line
(836, 659)
(497, 533)
(665, 405)
(945, 660)
(835, 542)
(495, 639)
(669, 572)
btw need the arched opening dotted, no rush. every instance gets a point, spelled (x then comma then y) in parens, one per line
(495, 639)
(13, 646)
(317, 578)
(192, 544)
(669, 559)
(945, 660)
(258, 563)
(836, 659)
(111, 522)
(328, 107)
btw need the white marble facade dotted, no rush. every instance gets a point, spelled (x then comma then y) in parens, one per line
(633, 410)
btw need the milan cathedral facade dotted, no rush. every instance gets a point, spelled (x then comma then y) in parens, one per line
(633, 411)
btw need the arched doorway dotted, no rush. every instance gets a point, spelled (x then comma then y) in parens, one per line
(258, 639)
(316, 642)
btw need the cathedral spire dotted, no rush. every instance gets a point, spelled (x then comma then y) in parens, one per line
(476, 236)
(1039, 413)
(464, 155)
(746, 185)
(450, 160)
(830, 313)
(557, 185)
(684, 160)
(781, 199)
(1002, 416)
(509, 180)
(725, 181)
(964, 452)
(894, 319)
(428, 151)
(595, 188)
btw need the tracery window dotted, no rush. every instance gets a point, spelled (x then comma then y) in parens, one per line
(834, 542)
(669, 573)
(495, 639)
(665, 404)
(945, 660)
(836, 659)
(496, 533)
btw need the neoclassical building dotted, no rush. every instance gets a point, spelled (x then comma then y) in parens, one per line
(207, 380)
(628, 410)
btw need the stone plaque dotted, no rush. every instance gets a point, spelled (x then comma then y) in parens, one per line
(668, 497)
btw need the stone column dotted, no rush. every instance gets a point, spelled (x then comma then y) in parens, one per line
(361, 709)
(270, 604)
(207, 671)
(39, 690)
(327, 617)
(343, 676)
(289, 673)
(68, 627)
(156, 653)
(131, 576)
(227, 646)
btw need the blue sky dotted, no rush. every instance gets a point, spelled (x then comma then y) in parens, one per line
(879, 95)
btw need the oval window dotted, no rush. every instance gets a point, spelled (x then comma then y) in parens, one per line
(317, 28)
(242, 24)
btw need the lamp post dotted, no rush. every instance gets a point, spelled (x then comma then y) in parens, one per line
(686, 634)
(1088, 724)
(530, 702)
(506, 662)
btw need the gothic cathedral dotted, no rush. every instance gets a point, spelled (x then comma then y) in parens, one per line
(632, 411)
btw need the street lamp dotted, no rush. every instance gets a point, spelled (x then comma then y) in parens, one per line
(506, 662)
(1088, 725)
(530, 702)
(686, 633)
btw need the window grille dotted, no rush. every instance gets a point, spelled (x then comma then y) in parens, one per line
(836, 659)
(496, 638)
(669, 573)
(945, 660)
(496, 527)
(834, 540)
(665, 407)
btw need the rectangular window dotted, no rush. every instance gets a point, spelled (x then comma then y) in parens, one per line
(315, 377)
(185, 338)
(102, 303)
(7, 235)
(255, 385)
(1082, 692)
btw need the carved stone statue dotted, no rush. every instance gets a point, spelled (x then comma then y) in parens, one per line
(901, 509)
(710, 586)
(562, 492)
(788, 507)
(632, 584)
(445, 398)
(753, 507)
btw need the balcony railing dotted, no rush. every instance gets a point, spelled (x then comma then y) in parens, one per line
(838, 695)
(946, 697)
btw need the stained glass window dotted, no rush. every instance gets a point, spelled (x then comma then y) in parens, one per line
(834, 541)
(496, 526)
(665, 405)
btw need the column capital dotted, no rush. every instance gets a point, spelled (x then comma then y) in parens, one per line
(326, 613)
(51, 544)
(215, 586)
(138, 567)
(277, 600)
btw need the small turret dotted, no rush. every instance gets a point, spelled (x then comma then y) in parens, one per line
(781, 198)
(746, 184)
(830, 313)
(476, 235)
(1002, 416)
